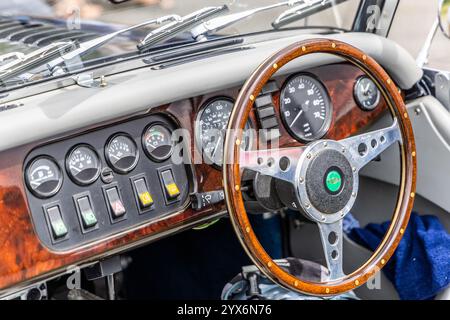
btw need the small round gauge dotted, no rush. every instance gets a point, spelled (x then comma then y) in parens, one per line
(366, 94)
(121, 153)
(211, 125)
(157, 142)
(43, 177)
(305, 108)
(83, 165)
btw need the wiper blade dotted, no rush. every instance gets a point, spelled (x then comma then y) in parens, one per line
(213, 25)
(93, 44)
(172, 29)
(309, 7)
(34, 59)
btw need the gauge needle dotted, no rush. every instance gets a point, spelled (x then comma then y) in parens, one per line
(296, 118)
(217, 147)
(74, 168)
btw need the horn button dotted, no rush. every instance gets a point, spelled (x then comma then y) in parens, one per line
(329, 181)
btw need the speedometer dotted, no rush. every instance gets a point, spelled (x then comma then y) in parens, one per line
(211, 125)
(305, 108)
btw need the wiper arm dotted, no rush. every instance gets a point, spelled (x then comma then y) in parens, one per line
(34, 59)
(216, 24)
(309, 7)
(93, 44)
(172, 29)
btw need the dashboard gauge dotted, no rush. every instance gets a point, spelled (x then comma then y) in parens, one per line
(43, 177)
(83, 165)
(121, 153)
(305, 108)
(366, 94)
(211, 126)
(157, 142)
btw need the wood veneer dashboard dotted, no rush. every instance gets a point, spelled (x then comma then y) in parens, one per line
(25, 258)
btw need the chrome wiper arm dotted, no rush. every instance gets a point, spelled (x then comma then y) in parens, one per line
(213, 25)
(309, 7)
(34, 59)
(93, 44)
(172, 29)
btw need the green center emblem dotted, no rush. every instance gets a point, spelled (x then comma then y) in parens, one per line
(333, 181)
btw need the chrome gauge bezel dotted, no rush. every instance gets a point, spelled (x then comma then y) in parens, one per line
(108, 160)
(69, 173)
(144, 147)
(358, 101)
(198, 130)
(27, 180)
(328, 105)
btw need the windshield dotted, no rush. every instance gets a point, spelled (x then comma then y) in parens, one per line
(40, 39)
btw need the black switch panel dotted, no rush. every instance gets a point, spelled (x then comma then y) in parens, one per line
(78, 215)
(265, 110)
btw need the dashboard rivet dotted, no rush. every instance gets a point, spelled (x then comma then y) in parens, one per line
(402, 231)
(247, 229)
(325, 144)
(302, 180)
(354, 169)
(356, 282)
(275, 66)
(333, 45)
(252, 97)
(413, 153)
(327, 290)
(383, 261)
(308, 156)
(269, 264)
(307, 205)
(296, 283)
(303, 48)
(322, 218)
(388, 81)
(405, 115)
(236, 187)
(343, 150)
(412, 194)
(238, 142)
(354, 194)
(364, 57)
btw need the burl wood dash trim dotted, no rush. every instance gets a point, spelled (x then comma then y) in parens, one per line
(232, 179)
(23, 259)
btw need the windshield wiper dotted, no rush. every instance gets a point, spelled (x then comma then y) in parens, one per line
(93, 44)
(309, 7)
(213, 25)
(34, 59)
(172, 29)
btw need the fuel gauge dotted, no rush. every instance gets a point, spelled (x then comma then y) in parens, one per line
(157, 142)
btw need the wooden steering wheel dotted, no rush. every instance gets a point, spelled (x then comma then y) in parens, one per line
(306, 170)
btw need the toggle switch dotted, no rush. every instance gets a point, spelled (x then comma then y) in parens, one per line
(116, 206)
(144, 197)
(87, 213)
(170, 186)
(57, 225)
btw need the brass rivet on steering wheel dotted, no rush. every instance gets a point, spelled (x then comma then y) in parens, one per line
(349, 162)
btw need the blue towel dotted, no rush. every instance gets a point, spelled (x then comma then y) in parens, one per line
(420, 267)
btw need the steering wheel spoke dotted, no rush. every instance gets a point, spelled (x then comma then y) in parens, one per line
(331, 236)
(367, 146)
(277, 163)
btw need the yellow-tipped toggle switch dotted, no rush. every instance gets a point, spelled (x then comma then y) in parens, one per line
(171, 187)
(145, 199)
(144, 196)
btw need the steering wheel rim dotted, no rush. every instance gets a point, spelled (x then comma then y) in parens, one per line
(233, 160)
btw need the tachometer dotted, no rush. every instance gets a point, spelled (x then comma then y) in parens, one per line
(83, 165)
(157, 142)
(305, 108)
(121, 153)
(210, 129)
(43, 177)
